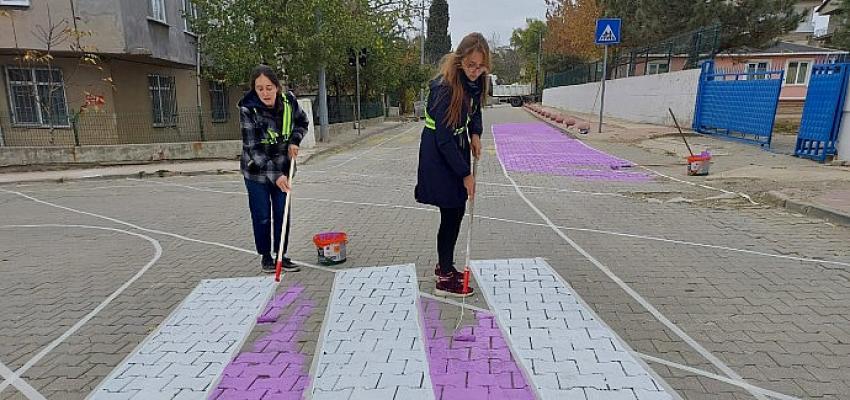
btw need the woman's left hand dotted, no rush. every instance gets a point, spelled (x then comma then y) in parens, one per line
(475, 143)
(293, 151)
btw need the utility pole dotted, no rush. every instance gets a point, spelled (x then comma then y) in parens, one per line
(422, 48)
(323, 89)
(357, 68)
(357, 59)
(537, 74)
(198, 84)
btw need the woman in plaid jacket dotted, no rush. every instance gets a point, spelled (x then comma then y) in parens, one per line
(272, 128)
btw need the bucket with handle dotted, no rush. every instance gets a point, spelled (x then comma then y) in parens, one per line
(330, 247)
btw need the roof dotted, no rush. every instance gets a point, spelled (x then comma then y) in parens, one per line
(827, 7)
(781, 49)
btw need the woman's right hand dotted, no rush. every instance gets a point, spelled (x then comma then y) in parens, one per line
(283, 183)
(469, 184)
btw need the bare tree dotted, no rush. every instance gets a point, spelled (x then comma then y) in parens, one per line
(54, 36)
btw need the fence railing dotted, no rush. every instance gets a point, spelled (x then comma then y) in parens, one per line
(186, 125)
(738, 104)
(343, 109)
(104, 128)
(685, 51)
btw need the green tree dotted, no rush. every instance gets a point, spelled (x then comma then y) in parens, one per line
(528, 44)
(750, 23)
(507, 64)
(841, 37)
(439, 42)
(238, 34)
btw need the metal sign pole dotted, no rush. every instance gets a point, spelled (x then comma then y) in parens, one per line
(604, 78)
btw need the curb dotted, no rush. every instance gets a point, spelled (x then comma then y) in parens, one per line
(552, 124)
(808, 209)
(218, 171)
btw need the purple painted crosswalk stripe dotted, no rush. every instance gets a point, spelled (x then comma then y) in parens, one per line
(539, 148)
(479, 370)
(275, 307)
(274, 369)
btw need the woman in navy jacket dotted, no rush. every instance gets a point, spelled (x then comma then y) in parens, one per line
(452, 131)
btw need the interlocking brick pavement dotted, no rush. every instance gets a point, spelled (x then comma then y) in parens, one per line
(569, 353)
(191, 348)
(371, 345)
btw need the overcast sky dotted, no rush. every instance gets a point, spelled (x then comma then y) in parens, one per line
(491, 16)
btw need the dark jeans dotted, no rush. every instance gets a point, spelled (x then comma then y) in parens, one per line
(266, 202)
(450, 219)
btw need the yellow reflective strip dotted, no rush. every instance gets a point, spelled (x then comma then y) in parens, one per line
(429, 122)
(286, 129)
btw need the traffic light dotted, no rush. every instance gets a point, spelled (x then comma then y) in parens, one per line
(352, 59)
(363, 57)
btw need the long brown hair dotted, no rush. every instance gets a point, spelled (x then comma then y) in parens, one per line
(450, 70)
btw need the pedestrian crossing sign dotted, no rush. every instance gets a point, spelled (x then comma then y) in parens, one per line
(608, 31)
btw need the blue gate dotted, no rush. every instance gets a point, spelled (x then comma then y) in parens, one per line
(738, 105)
(822, 111)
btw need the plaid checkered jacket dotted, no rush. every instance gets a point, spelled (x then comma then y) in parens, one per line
(265, 145)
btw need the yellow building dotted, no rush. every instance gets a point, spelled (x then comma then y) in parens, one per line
(142, 87)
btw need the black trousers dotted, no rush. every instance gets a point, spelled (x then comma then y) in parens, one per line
(450, 219)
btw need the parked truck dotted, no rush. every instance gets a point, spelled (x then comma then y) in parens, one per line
(515, 93)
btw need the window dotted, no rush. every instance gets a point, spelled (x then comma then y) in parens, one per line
(17, 3)
(158, 10)
(164, 100)
(37, 96)
(218, 102)
(658, 67)
(797, 72)
(189, 12)
(757, 66)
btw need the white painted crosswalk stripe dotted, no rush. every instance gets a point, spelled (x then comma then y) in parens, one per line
(565, 350)
(189, 350)
(371, 345)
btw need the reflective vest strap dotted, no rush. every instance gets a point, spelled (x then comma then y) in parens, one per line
(431, 124)
(286, 129)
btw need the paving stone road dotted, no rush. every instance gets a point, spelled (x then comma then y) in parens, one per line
(717, 302)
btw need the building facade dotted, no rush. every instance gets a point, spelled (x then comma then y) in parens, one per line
(141, 86)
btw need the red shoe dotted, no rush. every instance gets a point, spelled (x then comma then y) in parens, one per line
(452, 285)
(438, 272)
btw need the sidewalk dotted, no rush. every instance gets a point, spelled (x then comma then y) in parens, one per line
(337, 141)
(769, 176)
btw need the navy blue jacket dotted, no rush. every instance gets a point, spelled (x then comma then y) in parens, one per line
(265, 153)
(444, 156)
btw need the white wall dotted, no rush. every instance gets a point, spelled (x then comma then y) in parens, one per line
(309, 140)
(639, 99)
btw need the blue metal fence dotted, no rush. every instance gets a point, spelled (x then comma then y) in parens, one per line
(822, 111)
(736, 104)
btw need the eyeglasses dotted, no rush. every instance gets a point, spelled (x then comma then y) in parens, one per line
(473, 67)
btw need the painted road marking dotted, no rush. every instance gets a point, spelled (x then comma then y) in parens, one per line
(472, 370)
(189, 350)
(274, 368)
(371, 344)
(539, 148)
(567, 352)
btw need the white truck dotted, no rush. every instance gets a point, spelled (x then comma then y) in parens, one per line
(515, 93)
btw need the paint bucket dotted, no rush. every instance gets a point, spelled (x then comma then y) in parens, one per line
(698, 165)
(330, 247)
